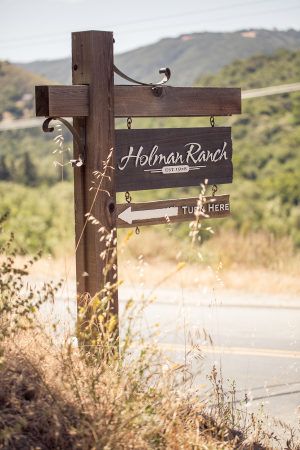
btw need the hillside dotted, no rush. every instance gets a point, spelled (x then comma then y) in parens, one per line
(25, 156)
(17, 91)
(266, 189)
(189, 56)
(266, 138)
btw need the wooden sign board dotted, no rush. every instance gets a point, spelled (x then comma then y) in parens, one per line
(172, 157)
(172, 211)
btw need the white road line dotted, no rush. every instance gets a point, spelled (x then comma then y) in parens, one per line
(271, 90)
(247, 351)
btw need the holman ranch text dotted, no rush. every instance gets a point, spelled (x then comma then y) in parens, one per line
(193, 154)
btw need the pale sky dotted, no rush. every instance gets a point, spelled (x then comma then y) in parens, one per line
(40, 29)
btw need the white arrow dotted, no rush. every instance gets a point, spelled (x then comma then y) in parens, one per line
(129, 216)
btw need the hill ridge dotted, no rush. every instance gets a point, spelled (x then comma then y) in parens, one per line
(210, 50)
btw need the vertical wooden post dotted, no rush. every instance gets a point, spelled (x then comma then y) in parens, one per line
(92, 64)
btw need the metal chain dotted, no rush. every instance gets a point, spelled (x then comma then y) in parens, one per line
(128, 197)
(214, 189)
(129, 122)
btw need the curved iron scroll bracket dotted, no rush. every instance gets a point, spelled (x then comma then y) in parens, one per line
(165, 79)
(74, 162)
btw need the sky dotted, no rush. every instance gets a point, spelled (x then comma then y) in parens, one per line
(40, 29)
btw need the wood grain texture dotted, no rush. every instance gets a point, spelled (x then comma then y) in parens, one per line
(188, 210)
(92, 61)
(62, 101)
(139, 101)
(178, 157)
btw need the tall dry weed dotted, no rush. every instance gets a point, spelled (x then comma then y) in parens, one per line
(110, 392)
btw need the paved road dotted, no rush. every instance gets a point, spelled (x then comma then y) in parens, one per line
(271, 90)
(258, 348)
(35, 122)
(255, 340)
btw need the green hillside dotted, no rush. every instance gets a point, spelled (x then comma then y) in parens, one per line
(188, 56)
(266, 139)
(17, 91)
(25, 155)
(266, 189)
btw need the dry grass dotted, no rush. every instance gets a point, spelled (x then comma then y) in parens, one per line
(55, 400)
(109, 393)
(254, 251)
(232, 249)
(229, 260)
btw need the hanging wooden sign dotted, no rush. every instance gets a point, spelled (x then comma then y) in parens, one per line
(177, 157)
(133, 159)
(172, 211)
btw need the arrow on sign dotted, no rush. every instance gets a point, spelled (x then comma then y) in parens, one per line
(129, 216)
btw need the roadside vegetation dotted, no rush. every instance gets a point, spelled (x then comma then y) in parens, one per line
(108, 392)
(264, 195)
(115, 392)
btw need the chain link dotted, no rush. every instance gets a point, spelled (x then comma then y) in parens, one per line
(212, 121)
(128, 197)
(214, 189)
(129, 122)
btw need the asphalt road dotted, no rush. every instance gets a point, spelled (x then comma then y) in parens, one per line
(252, 340)
(257, 348)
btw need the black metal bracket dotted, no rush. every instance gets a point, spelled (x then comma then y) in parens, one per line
(166, 71)
(81, 146)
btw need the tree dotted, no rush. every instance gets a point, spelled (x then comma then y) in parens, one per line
(296, 109)
(5, 174)
(30, 176)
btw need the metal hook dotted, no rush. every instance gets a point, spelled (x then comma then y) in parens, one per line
(214, 190)
(74, 162)
(129, 123)
(165, 79)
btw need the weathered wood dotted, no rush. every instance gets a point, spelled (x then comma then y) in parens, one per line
(92, 64)
(165, 158)
(62, 101)
(172, 211)
(140, 101)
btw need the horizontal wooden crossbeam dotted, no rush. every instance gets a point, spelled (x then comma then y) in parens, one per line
(141, 101)
(62, 101)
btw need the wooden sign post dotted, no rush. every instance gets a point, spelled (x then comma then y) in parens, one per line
(107, 161)
(92, 65)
